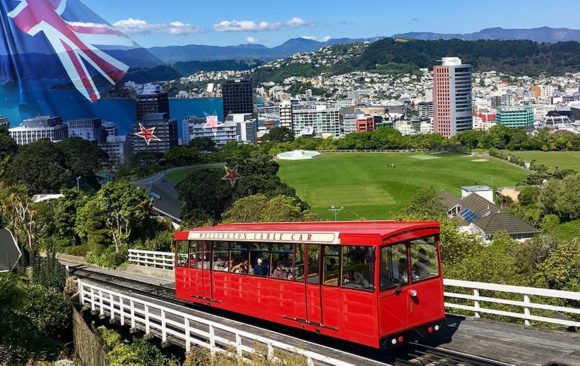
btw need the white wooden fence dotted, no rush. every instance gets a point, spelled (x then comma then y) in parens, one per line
(557, 313)
(185, 329)
(147, 258)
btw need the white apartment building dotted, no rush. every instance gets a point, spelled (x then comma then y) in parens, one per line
(317, 119)
(37, 128)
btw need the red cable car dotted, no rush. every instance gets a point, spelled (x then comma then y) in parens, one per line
(374, 283)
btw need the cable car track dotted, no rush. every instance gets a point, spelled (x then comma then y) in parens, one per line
(414, 354)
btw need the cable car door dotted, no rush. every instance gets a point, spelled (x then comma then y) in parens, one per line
(313, 290)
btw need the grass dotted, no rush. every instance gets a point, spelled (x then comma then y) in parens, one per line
(552, 159)
(367, 189)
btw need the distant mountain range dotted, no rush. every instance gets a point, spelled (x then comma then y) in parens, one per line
(540, 35)
(173, 54)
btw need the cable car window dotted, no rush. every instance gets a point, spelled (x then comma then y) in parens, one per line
(282, 261)
(298, 269)
(394, 270)
(313, 264)
(221, 256)
(239, 258)
(259, 259)
(358, 267)
(331, 269)
(424, 259)
(195, 254)
(182, 254)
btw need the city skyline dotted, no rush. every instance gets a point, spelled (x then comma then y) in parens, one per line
(182, 22)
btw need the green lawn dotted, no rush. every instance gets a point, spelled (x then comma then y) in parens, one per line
(552, 159)
(367, 189)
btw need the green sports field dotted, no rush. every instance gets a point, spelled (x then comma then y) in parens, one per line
(367, 188)
(552, 159)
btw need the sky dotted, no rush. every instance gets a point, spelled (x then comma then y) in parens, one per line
(272, 22)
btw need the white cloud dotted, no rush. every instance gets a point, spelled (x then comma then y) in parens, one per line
(320, 39)
(252, 26)
(138, 26)
(252, 40)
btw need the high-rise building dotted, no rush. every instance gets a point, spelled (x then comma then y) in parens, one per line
(286, 114)
(425, 109)
(365, 123)
(238, 97)
(503, 100)
(152, 100)
(516, 116)
(246, 127)
(316, 119)
(90, 129)
(118, 148)
(452, 97)
(240, 127)
(37, 128)
(154, 133)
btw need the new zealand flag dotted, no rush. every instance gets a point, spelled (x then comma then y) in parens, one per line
(56, 57)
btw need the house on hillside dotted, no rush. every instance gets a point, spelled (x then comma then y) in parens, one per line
(478, 215)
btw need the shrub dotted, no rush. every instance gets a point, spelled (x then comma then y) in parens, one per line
(49, 310)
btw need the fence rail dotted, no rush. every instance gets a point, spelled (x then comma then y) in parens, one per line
(454, 290)
(526, 304)
(149, 258)
(174, 326)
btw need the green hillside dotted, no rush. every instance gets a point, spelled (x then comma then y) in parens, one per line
(368, 189)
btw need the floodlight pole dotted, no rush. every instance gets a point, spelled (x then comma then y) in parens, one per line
(335, 211)
(78, 184)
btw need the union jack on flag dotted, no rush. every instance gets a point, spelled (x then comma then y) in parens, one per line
(74, 34)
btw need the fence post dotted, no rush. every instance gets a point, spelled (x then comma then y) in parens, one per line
(270, 352)
(147, 325)
(163, 327)
(239, 346)
(476, 302)
(101, 303)
(527, 310)
(212, 340)
(132, 305)
(92, 299)
(122, 309)
(81, 292)
(187, 335)
(111, 303)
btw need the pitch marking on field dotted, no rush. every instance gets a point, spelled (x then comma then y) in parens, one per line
(425, 157)
(480, 160)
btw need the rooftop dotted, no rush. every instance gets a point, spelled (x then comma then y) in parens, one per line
(480, 188)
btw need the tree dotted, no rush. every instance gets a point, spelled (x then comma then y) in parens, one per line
(128, 210)
(18, 210)
(205, 195)
(8, 148)
(203, 144)
(426, 204)
(260, 208)
(48, 164)
(82, 157)
(182, 155)
(278, 134)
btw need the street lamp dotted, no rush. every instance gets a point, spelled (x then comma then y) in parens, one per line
(335, 211)
(78, 184)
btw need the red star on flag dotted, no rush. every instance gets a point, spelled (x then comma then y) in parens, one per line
(211, 122)
(148, 134)
(232, 175)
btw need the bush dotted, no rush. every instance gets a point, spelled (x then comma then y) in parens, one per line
(49, 310)
(108, 257)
